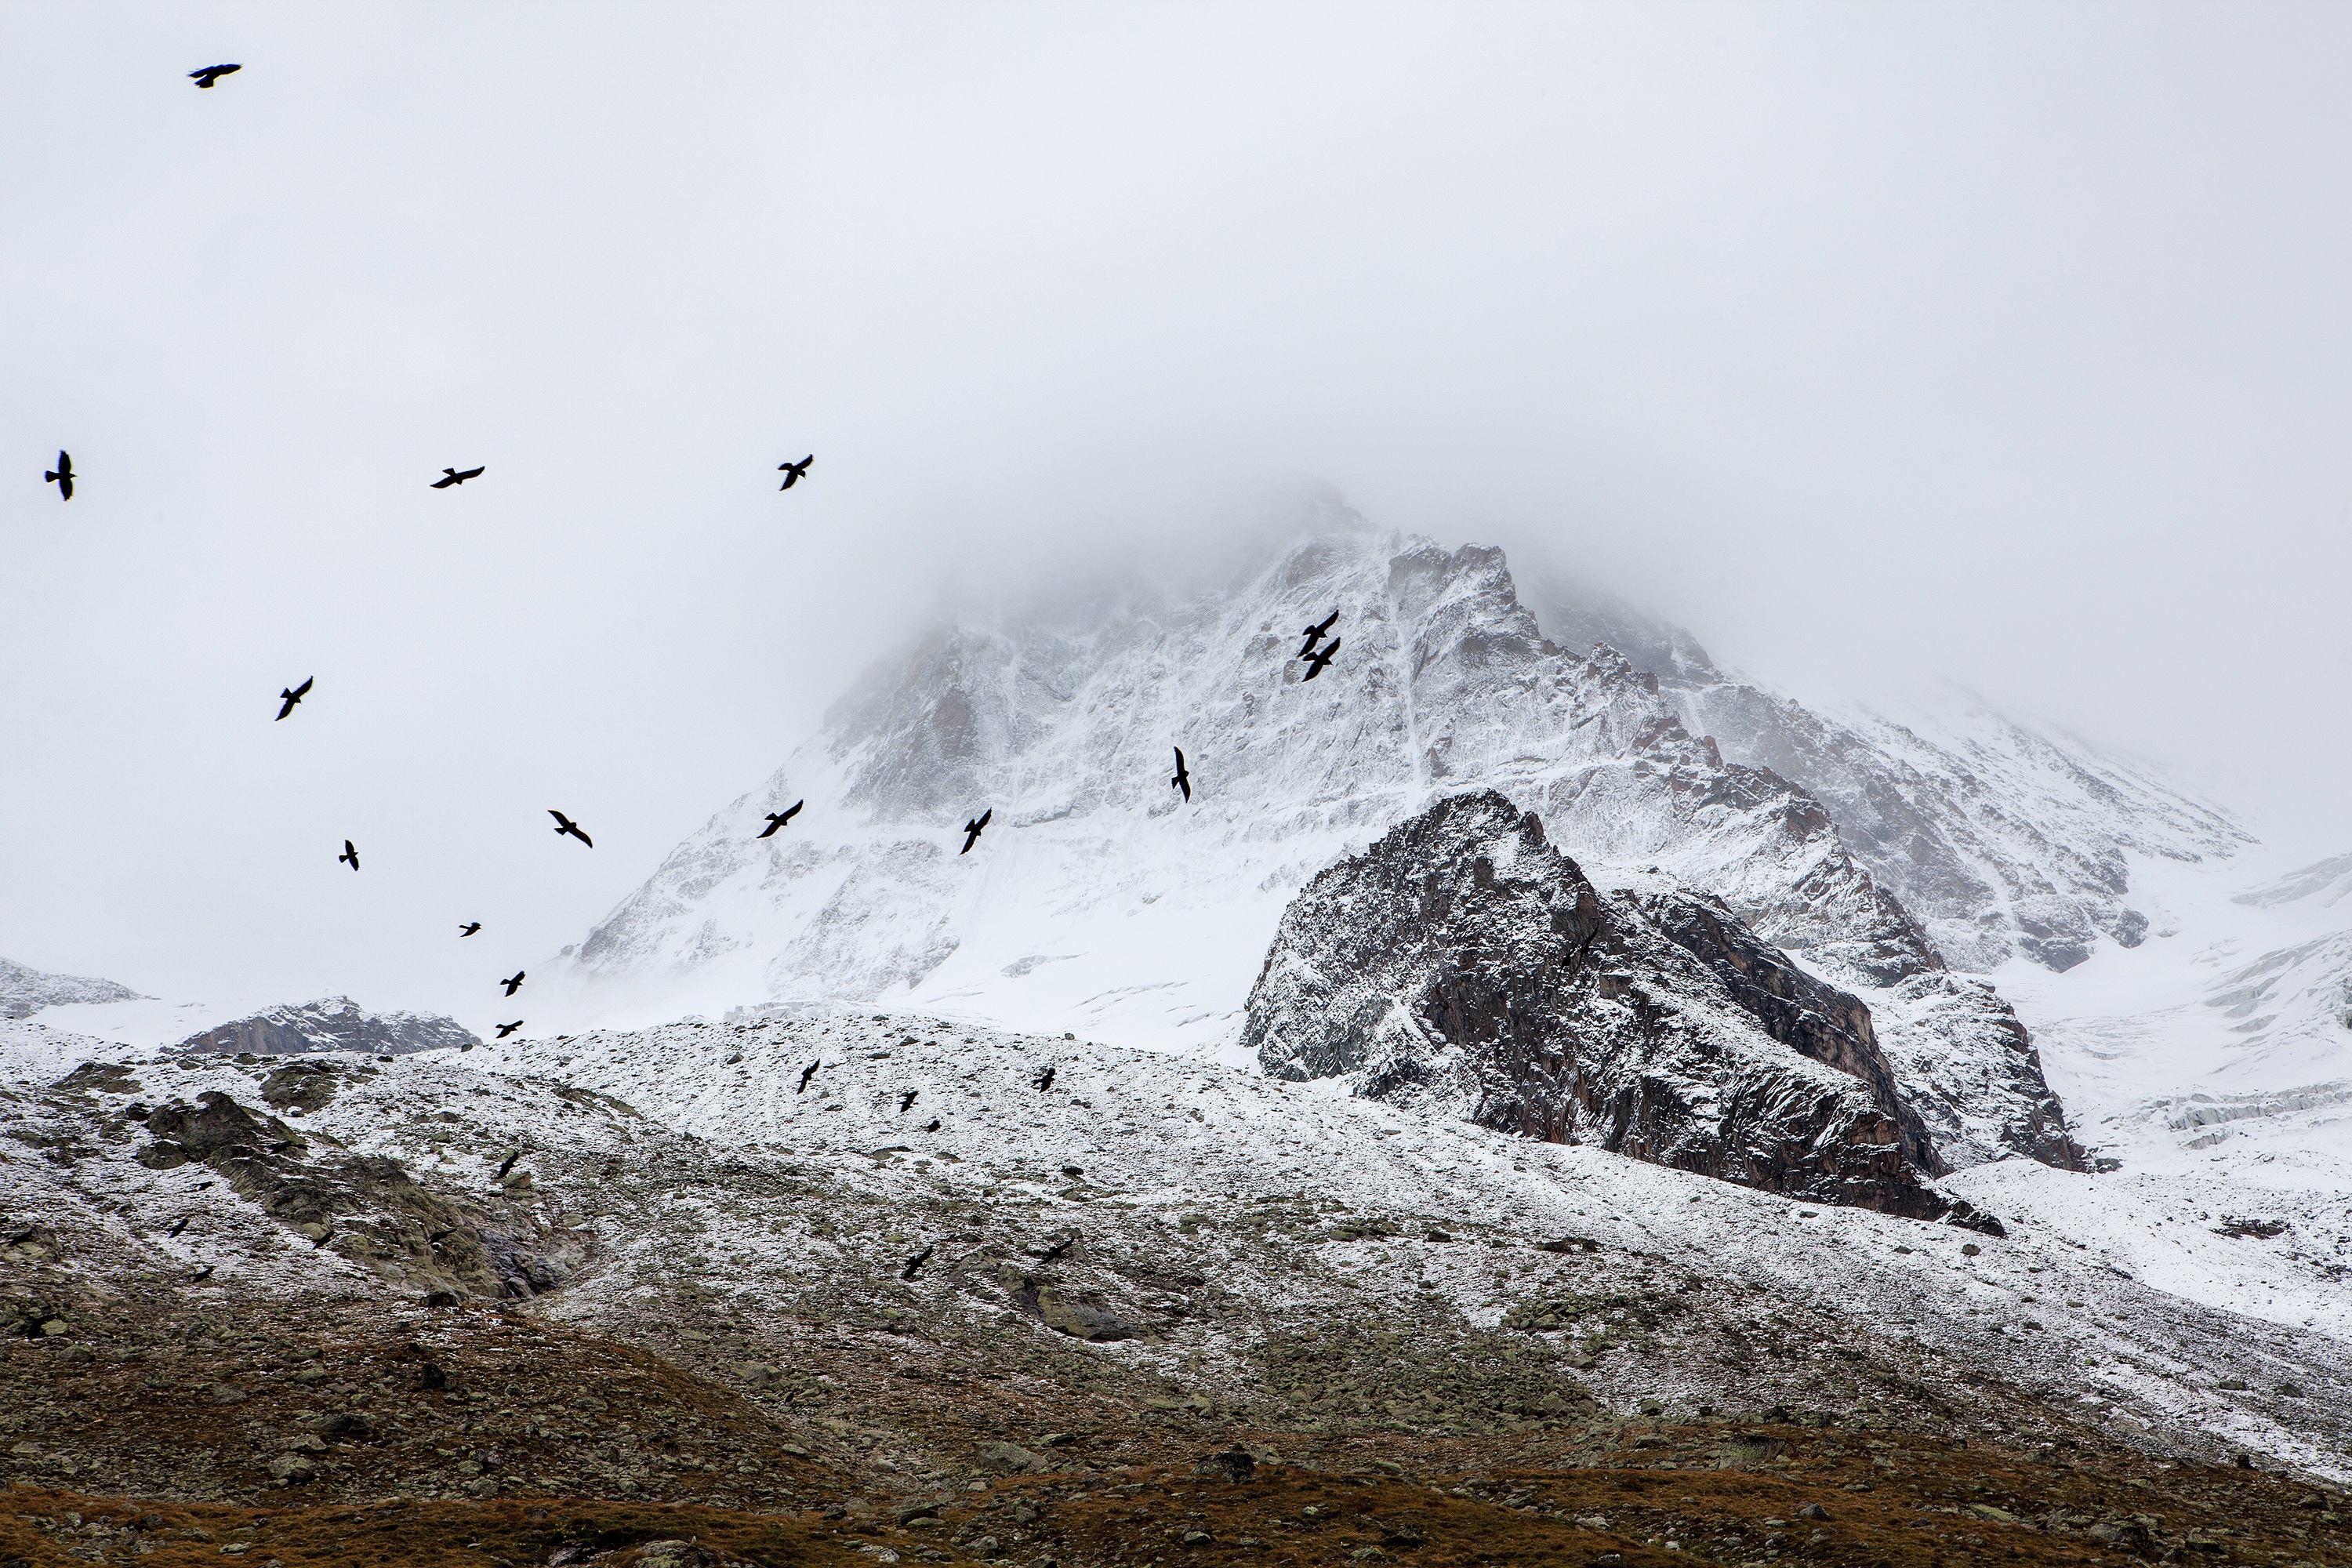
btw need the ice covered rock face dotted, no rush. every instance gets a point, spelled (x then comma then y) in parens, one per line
(1996, 839)
(24, 992)
(333, 1024)
(1463, 963)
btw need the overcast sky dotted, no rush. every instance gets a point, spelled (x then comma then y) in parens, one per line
(2008, 342)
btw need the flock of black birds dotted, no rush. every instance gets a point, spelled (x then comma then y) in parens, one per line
(1315, 652)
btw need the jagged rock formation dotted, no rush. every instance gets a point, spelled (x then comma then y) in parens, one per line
(1463, 959)
(1994, 837)
(333, 1024)
(24, 992)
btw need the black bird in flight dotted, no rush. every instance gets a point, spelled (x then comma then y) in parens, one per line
(508, 1167)
(565, 824)
(778, 819)
(972, 830)
(212, 73)
(514, 985)
(1059, 1248)
(323, 1240)
(906, 1100)
(452, 477)
(934, 1125)
(915, 1264)
(1316, 661)
(62, 476)
(506, 1029)
(292, 696)
(794, 472)
(1183, 779)
(1045, 1079)
(807, 1073)
(349, 853)
(469, 929)
(204, 1274)
(1315, 634)
(180, 1224)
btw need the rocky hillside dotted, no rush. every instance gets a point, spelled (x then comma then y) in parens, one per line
(1465, 964)
(651, 1267)
(333, 1024)
(24, 992)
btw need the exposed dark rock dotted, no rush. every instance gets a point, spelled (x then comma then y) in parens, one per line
(332, 1024)
(367, 1208)
(1071, 1313)
(1464, 958)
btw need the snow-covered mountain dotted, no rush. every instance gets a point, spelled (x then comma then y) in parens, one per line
(25, 990)
(1099, 901)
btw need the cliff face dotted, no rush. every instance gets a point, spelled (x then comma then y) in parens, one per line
(1463, 963)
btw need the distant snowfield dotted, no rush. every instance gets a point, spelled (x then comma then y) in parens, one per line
(2218, 1080)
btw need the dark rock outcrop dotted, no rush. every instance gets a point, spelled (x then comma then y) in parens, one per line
(1462, 959)
(368, 1209)
(333, 1024)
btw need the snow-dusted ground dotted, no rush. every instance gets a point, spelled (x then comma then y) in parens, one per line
(1129, 1141)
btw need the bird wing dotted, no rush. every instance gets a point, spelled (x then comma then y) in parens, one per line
(583, 839)
(65, 463)
(563, 823)
(288, 706)
(348, 848)
(304, 689)
(986, 814)
(795, 810)
(445, 484)
(475, 473)
(65, 487)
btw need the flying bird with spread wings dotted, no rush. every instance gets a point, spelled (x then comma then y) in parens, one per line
(972, 830)
(513, 984)
(292, 696)
(211, 74)
(453, 477)
(469, 928)
(565, 824)
(62, 476)
(506, 1029)
(1315, 634)
(349, 853)
(1320, 659)
(779, 819)
(1183, 779)
(794, 472)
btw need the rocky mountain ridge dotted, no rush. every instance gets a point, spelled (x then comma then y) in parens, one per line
(1996, 838)
(332, 1024)
(25, 990)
